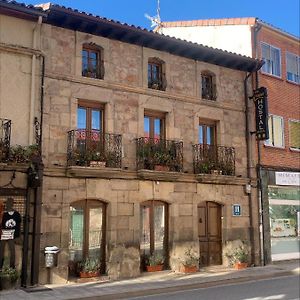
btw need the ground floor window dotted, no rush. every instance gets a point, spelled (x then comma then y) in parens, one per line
(284, 210)
(87, 236)
(154, 231)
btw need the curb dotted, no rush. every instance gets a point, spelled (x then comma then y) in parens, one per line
(182, 287)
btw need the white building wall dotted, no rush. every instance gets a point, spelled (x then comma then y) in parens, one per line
(233, 38)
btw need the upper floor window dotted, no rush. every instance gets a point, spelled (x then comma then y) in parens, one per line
(292, 67)
(154, 125)
(92, 61)
(294, 130)
(207, 133)
(208, 81)
(156, 74)
(271, 57)
(276, 132)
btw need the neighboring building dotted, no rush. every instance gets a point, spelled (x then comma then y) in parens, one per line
(20, 118)
(144, 147)
(279, 159)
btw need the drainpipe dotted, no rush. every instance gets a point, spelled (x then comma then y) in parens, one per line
(248, 154)
(32, 90)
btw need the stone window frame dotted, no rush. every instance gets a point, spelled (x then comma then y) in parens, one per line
(160, 82)
(208, 85)
(208, 123)
(86, 204)
(99, 51)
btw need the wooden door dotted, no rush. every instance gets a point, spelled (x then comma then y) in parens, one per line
(209, 230)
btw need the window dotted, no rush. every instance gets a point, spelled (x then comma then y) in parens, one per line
(293, 67)
(153, 230)
(271, 57)
(87, 233)
(154, 125)
(92, 61)
(207, 134)
(156, 74)
(208, 81)
(276, 137)
(294, 130)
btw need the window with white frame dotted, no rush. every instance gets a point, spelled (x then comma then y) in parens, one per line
(276, 136)
(271, 57)
(292, 67)
(294, 133)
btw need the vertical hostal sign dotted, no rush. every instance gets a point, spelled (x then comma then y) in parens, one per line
(261, 110)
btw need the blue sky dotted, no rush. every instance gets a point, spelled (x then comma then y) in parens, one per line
(283, 14)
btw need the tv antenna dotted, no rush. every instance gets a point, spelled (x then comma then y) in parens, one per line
(156, 21)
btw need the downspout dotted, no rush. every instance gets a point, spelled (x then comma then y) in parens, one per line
(32, 89)
(248, 154)
(256, 30)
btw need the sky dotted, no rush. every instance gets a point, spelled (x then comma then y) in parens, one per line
(283, 14)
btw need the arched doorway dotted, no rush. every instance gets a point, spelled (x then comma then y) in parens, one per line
(154, 229)
(210, 233)
(87, 234)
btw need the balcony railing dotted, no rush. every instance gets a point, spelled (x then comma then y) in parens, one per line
(5, 130)
(210, 158)
(93, 147)
(152, 153)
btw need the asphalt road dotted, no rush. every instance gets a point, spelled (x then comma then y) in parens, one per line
(281, 288)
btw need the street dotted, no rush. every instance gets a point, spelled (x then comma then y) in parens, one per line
(282, 288)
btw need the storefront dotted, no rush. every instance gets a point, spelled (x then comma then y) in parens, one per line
(284, 215)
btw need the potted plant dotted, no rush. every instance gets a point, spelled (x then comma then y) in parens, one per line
(238, 257)
(97, 159)
(190, 261)
(89, 268)
(8, 278)
(162, 161)
(155, 262)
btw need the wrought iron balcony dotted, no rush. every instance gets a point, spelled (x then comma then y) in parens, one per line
(5, 130)
(159, 154)
(210, 159)
(94, 148)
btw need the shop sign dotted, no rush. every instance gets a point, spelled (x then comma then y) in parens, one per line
(236, 210)
(261, 113)
(287, 178)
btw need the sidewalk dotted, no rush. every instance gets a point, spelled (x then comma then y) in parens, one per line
(152, 283)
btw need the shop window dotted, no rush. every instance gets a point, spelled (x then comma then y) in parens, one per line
(271, 57)
(87, 235)
(154, 125)
(294, 130)
(292, 67)
(154, 230)
(276, 132)
(92, 61)
(208, 86)
(156, 74)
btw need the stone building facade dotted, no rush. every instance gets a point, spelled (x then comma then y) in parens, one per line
(279, 155)
(104, 104)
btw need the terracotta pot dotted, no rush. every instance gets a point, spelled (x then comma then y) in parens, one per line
(99, 164)
(189, 269)
(161, 168)
(240, 265)
(154, 268)
(88, 274)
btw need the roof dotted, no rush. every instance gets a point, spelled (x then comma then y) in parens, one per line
(80, 21)
(226, 21)
(20, 10)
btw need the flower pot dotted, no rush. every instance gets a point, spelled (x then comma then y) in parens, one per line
(161, 168)
(240, 265)
(189, 269)
(88, 274)
(155, 268)
(6, 283)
